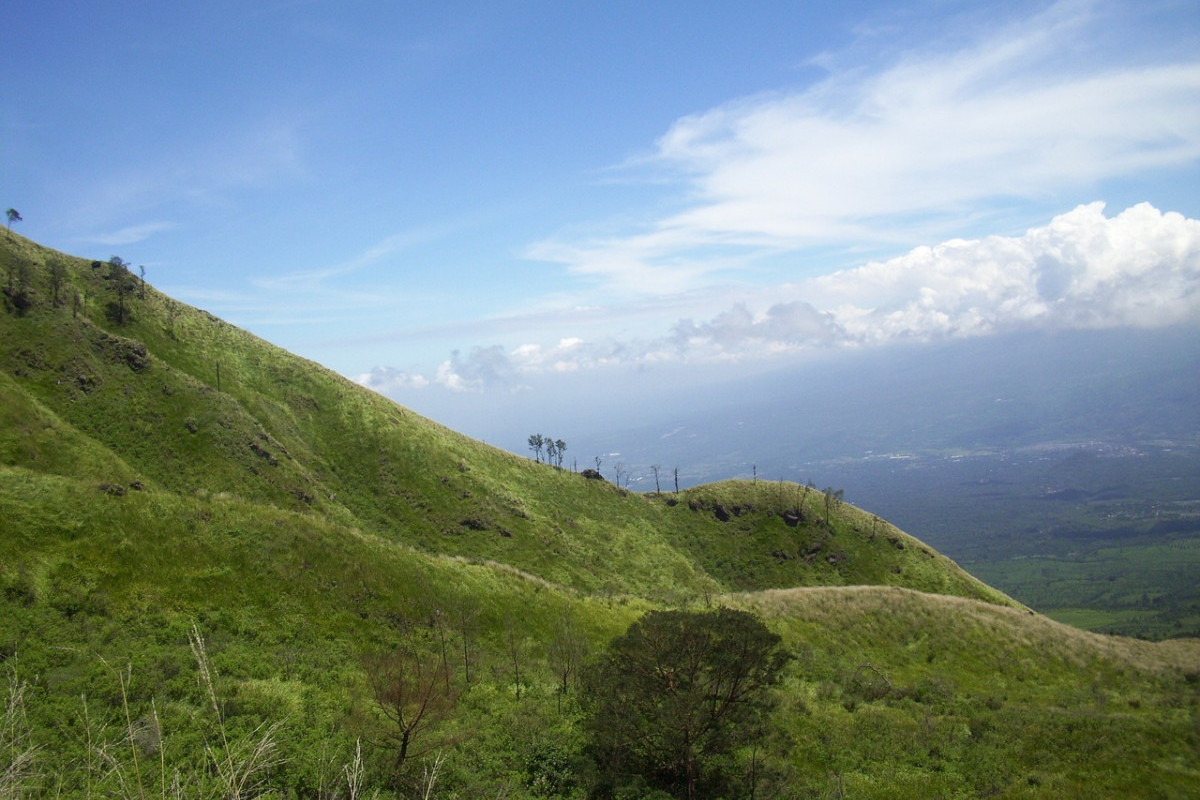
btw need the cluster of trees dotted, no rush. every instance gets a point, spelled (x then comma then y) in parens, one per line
(124, 284)
(555, 449)
(673, 706)
(676, 707)
(19, 291)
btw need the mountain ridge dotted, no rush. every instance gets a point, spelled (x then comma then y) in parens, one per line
(189, 402)
(204, 539)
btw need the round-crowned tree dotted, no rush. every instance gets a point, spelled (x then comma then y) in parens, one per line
(671, 701)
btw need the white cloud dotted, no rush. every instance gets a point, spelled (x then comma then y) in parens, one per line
(387, 380)
(131, 234)
(1140, 268)
(901, 154)
(493, 367)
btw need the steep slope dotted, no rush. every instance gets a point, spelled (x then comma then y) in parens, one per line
(201, 577)
(185, 403)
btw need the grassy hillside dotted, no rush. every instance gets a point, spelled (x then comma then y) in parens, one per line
(187, 404)
(208, 547)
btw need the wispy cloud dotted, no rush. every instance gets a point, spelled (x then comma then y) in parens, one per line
(256, 154)
(131, 234)
(901, 154)
(1139, 268)
(316, 281)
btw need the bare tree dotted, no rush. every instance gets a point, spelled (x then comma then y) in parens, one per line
(677, 480)
(413, 697)
(517, 647)
(566, 652)
(619, 469)
(833, 499)
(655, 468)
(465, 613)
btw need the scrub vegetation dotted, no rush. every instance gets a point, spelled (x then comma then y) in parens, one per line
(228, 572)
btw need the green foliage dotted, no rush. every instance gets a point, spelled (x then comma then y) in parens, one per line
(305, 526)
(671, 700)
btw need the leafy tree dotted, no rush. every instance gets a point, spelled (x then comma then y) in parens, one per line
(58, 276)
(121, 280)
(560, 447)
(536, 442)
(13, 216)
(670, 701)
(17, 294)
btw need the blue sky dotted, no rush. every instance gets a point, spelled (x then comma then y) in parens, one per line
(461, 203)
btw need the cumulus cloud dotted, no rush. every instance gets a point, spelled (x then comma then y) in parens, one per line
(1140, 268)
(493, 367)
(899, 154)
(1083, 270)
(737, 331)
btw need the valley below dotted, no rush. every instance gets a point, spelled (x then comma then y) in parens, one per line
(1105, 537)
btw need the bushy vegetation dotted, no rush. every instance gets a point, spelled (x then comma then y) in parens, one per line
(275, 583)
(672, 703)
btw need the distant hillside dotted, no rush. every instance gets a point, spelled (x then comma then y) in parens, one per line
(1062, 467)
(172, 399)
(209, 547)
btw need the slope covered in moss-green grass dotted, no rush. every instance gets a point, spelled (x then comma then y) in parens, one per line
(190, 404)
(194, 566)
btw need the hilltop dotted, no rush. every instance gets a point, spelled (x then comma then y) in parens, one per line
(179, 495)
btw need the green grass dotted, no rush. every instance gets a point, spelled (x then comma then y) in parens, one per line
(303, 525)
(284, 433)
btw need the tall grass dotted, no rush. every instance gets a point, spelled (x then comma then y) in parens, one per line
(18, 755)
(242, 765)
